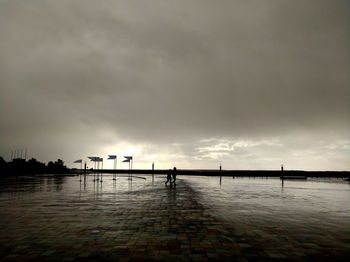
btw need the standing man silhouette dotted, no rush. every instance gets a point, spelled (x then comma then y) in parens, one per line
(174, 176)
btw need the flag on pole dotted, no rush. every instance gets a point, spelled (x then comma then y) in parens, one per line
(94, 158)
(127, 158)
(112, 157)
(78, 161)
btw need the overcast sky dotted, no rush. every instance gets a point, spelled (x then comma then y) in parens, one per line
(193, 84)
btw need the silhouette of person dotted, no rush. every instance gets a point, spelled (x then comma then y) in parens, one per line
(168, 177)
(174, 173)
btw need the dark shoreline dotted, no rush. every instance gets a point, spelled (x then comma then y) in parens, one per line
(234, 173)
(188, 172)
(32, 167)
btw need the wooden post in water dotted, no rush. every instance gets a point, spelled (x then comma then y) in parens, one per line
(282, 176)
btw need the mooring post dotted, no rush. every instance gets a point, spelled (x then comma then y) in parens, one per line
(153, 172)
(220, 174)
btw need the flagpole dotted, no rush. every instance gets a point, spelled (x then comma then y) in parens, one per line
(84, 173)
(129, 160)
(97, 167)
(102, 171)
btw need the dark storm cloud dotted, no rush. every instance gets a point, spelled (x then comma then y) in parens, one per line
(90, 73)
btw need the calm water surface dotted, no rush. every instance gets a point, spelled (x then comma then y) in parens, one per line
(314, 210)
(259, 196)
(313, 200)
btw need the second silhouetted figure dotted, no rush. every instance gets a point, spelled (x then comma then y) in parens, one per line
(168, 177)
(174, 173)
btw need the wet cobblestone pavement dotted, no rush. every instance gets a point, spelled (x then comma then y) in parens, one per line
(139, 222)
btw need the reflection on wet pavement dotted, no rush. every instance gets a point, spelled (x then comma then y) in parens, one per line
(297, 220)
(63, 219)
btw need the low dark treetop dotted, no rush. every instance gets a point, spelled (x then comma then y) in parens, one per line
(20, 166)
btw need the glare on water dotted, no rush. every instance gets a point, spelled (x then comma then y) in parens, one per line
(330, 197)
(312, 206)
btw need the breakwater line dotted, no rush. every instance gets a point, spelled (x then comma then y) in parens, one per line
(235, 173)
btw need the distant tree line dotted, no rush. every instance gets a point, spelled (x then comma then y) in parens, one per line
(20, 166)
